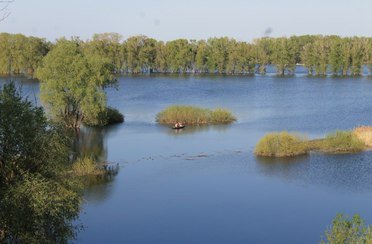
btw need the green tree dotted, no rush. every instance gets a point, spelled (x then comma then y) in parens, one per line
(201, 57)
(107, 46)
(308, 58)
(321, 56)
(180, 55)
(72, 84)
(161, 57)
(263, 53)
(283, 55)
(37, 204)
(345, 230)
(141, 54)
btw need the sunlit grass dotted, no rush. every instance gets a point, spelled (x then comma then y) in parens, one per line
(342, 141)
(284, 144)
(281, 144)
(191, 115)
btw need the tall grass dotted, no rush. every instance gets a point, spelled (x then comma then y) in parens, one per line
(191, 115)
(281, 144)
(86, 166)
(364, 133)
(342, 142)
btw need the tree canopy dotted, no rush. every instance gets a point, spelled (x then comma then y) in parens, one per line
(37, 203)
(73, 82)
(321, 55)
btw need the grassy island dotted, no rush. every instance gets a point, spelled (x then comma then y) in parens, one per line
(285, 144)
(281, 144)
(191, 115)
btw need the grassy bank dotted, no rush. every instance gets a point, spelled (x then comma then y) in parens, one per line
(284, 144)
(191, 115)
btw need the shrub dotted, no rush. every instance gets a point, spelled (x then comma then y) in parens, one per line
(108, 116)
(345, 230)
(342, 142)
(194, 115)
(281, 144)
(113, 116)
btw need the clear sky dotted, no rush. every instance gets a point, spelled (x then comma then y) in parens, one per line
(192, 19)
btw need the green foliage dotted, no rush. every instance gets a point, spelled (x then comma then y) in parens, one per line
(108, 116)
(342, 141)
(107, 46)
(72, 83)
(85, 166)
(281, 144)
(191, 115)
(221, 116)
(22, 126)
(38, 210)
(140, 54)
(37, 204)
(345, 230)
(283, 56)
(20, 54)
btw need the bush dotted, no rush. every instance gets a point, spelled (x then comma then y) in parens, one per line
(342, 142)
(345, 230)
(108, 116)
(113, 116)
(191, 115)
(281, 144)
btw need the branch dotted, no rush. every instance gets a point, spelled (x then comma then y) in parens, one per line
(6, 13)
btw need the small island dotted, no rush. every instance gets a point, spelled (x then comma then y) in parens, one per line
(191, 115)
(285, 144)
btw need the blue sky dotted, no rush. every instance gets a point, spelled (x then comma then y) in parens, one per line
(192, 19)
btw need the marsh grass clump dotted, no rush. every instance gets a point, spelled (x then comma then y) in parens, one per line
(86, 166)
(281, 144)
(342, 142)
(221, 116)
(364, 133)
(191, 115)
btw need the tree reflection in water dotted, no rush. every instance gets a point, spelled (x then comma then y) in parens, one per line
(92, 142)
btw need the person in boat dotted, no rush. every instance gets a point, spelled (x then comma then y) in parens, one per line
(177, 125)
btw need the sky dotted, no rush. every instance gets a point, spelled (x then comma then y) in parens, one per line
(192, 19)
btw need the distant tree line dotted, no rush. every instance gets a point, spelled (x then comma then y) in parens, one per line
(321, 55)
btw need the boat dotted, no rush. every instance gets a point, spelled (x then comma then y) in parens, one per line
(178, 127)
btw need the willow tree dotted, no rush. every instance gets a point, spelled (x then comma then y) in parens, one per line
(72, 86)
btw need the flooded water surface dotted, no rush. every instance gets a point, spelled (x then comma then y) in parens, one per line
(204, 184)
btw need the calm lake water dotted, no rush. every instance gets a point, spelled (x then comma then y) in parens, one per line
(203, 184)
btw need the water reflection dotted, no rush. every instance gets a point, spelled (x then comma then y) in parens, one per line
(323, 169)
(92, 142)
(193, 129)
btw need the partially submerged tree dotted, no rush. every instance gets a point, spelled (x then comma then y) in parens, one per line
(73, 83)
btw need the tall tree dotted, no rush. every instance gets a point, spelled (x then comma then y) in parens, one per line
(72, 84)
(37, 204)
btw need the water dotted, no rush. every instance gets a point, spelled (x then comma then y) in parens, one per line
(204, 185)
